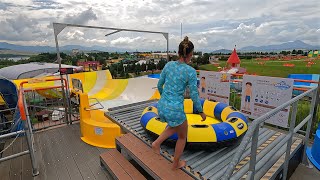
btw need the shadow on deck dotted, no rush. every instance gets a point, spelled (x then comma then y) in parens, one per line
(61, 155)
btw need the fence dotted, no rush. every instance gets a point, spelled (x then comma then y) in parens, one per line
(26, 131)
(303, 103)
(310, 96)
(49, 104)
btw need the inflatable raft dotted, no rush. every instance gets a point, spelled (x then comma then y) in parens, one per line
(224, 124)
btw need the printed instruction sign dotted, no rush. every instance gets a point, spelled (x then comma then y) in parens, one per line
(214, 86)
(261, 94)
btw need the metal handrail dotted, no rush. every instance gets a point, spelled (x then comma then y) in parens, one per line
(97, 103)
(253, 131)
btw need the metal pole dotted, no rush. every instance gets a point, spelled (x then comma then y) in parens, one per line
(167, 37)
(69, 102)
(306, 139)
(181, 31)
(14, 156)
(61, 77)
(315, 120)
(11, 134)
(253, 157)
(30, 139)
(289, 143)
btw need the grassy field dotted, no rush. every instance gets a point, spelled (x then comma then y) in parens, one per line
(271, 68)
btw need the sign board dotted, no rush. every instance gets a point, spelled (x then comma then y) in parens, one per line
(214, 86)
(261, 94)
(66, 71)
(36, 80)
(98, 131)
(77, 84)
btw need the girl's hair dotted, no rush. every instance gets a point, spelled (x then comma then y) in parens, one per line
(185, 48)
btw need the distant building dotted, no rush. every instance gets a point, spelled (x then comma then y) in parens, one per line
(74, 52)
(195, 56)
(90, 65)
(234, 60)
(142, 62)
(162, 55)
(213, 58)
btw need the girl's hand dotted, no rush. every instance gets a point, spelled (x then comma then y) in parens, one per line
(204, 116)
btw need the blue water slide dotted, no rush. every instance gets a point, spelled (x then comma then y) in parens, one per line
(9, 93)
(156, 76)
(313, 151)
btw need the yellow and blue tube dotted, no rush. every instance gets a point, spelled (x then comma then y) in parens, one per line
(233, 124)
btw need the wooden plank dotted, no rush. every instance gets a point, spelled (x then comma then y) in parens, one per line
(91, 154)
(47, 157)
(66, 156)
(114, 155)
(114, 167)
(77, 153)
(156, 165)
(16, 165)
(5, 166)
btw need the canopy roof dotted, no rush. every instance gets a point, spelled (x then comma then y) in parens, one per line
(234, 59)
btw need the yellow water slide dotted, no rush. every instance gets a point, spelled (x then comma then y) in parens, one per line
(96, 129)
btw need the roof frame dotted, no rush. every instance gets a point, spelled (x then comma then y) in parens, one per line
(58, 27)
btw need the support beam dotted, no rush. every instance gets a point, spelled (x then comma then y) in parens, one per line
(113, 33)
(107, 28)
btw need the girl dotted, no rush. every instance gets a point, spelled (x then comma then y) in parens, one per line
(175, 77)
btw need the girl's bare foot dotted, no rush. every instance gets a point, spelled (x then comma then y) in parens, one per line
(179, 165)
(156, 148)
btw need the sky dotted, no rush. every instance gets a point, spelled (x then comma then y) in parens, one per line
(209, 24)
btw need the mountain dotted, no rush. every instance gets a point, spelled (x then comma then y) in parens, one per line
(222, 51)
(39, 49)
(280, 47)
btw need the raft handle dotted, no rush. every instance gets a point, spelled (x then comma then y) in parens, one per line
(233, 108)
(233, 120)
(199, 126)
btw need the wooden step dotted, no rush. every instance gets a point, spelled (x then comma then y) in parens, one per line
(118, 166)
(155, 165)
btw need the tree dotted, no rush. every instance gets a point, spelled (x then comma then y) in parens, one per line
(161, 64)
(127, 75)
(143, 67)
(294, 52)
(122, 74)
(89, 58)
(137, 69)
(205, 58)
(299, 51)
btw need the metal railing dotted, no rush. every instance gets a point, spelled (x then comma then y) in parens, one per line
(253, 133)
(26, 131)
(46, 105)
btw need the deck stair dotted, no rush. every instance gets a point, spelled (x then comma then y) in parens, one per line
(204, 164)
(155, 165)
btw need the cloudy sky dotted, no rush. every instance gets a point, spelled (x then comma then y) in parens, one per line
(210, 24)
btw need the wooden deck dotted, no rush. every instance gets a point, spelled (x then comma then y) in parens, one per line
(61, 155)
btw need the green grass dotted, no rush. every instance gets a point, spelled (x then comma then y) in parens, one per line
(271, 68)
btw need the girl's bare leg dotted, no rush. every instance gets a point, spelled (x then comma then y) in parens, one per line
(169, 131)
(182, 131)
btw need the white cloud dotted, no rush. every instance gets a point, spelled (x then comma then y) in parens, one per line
(203, 41)
(210, 24)
(124, 41)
